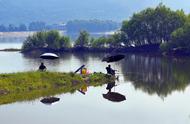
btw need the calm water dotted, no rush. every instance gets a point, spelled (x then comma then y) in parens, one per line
(11, 42)
(156, 90)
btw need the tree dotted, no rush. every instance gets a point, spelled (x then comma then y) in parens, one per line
(83, 39)
(100, 42)
(46, 39)
(22, 27)
(64, 42)
(3, 28)
(118, 39)
(37, 26)
(12, 27)
(153, 25)
(179, 39)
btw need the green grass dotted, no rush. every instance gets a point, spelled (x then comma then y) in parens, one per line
(26, 86)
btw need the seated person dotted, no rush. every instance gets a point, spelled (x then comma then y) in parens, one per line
(42, 67)
(110, 70)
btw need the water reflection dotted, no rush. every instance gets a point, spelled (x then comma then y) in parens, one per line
(151, 74)
(154, 74)
(49, 100)
(83, 89)
(113, 96)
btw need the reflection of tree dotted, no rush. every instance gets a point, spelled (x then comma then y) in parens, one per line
(156, 74)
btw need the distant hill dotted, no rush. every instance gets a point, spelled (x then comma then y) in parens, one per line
(54, 11)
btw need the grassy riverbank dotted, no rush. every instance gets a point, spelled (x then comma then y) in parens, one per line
(31, 85)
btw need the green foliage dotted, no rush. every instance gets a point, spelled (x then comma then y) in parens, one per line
(83, 39)
(46, 39)
(100, 42)
(31, 85)
(180, 39)
(112, 41)
(116, 40)
(153, 25)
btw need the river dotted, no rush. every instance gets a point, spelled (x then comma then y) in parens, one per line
(156, 89)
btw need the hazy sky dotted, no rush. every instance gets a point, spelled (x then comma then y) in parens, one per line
(63, 10)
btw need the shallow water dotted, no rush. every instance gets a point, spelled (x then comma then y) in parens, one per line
(11, 42)
(156, 90)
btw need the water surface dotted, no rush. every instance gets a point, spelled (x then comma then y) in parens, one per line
(156, 90)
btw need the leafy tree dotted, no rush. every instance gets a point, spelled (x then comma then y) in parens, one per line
(153, 25)
(83, 39)
(52, 39)
(37, 26)
(64, 42)
(46, 39)
(22, 27)
(119, 39)
(179, 39)
(100, 42)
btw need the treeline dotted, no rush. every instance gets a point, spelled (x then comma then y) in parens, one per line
(33, 26)
(11, 27)
(76, 26)
(71, 26)
(162, 26)
(55, 41)
(157, 29)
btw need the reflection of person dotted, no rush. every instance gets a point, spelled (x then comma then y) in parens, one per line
(42, 67)
(110, 70)
(110, 86)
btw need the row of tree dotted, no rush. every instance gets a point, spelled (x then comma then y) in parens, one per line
(11, 27)
(91, 25)
(54, 40)
(162, 26)
(33, 26)
(152, 26)
(71, 26)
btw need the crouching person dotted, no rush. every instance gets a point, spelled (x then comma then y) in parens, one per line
(42, 67)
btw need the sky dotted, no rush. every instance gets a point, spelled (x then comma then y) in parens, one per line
(22, 11)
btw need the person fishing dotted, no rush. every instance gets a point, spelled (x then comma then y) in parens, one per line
(110, 70)
(42, 67)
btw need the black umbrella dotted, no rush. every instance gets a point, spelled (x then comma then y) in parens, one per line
(113, 58)
(49, 56)
(114, 97)
(50, 100)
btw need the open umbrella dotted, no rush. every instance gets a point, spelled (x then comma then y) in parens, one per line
(113, 58)
(49, 56)
(50, 100)
(114, 97)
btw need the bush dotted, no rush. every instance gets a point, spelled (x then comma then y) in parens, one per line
(46, 39)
